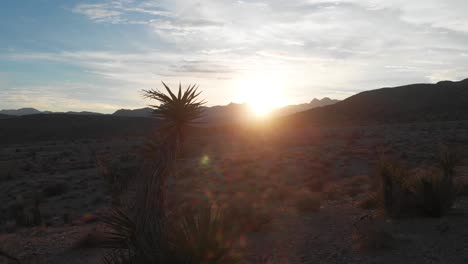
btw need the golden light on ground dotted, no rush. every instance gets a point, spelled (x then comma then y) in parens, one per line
(263, 92)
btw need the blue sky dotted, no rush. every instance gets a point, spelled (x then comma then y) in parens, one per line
(97, 55)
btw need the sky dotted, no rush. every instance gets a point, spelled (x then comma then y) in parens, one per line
(82, 55)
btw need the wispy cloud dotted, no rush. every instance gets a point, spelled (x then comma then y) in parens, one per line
(318, 46)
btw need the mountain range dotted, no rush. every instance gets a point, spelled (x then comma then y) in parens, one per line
(216, 114)
(443, 101)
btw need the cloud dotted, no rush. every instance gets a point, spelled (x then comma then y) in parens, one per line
(66, 97)
(99, 13)
(319, 47)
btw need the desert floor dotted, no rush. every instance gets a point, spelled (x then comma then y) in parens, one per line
(300, 190)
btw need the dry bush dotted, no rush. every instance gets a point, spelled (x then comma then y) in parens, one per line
(372, 234)
(427, 192)
(461, 186)
(395, 196)
(9, 258)
(332, 192)
(308, 202)
(372, 201)
(246, 217)
(353, 191)
(55, 189)
(26, 213)
(117, 173)
(435, 192)
(92, 239)
(315, 184)
(8, 170)
(359, 181)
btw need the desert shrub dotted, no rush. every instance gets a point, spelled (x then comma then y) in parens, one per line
(308, 202)
(55, 189)
(9, 257)
(200, 236)
(92, 239)
(428, 192)
(8, 170)
(116, 173)
(24, 214)
(370, 202)
(315, 184)
(461, 187)
(353, 191)
(245, 217)
(332, 192)
(372, 234)
(435, 187)
(392, 190)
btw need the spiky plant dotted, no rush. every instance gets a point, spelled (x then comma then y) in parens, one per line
(176, 112)
(199, 237)
(147, 234)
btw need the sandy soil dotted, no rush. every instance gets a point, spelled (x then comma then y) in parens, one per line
(269, 173)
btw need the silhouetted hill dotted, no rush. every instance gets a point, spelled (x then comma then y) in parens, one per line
(69, 127)
(4, 116)
(33, 111)
(233, 112)
(216, 114)
(21, 111)
(443, 101)
(78, 113)
(291, 109)
(225, 114)
(143, 112)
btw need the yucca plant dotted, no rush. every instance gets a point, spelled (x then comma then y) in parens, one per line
(201, 236)
(176, 112)
(147, 233)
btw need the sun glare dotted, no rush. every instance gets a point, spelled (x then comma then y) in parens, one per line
(262, 92)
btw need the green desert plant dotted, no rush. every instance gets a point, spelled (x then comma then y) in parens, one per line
(392, 191)
(436, 188)
(176, 112)
(200, 236)
(148, 233)
(427, 192)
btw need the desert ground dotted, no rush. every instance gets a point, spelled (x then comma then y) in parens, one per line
(301, 192)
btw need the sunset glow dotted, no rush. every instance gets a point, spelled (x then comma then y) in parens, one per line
(263, 92)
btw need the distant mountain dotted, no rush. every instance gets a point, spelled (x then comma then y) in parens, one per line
(77, 113)
(216, 114)
(33, 111)
(220, 114)
(291, 109)
(5, 116)
(143, 112)
(443, 101)
(233, 112)
(20, 112)
(224, 114)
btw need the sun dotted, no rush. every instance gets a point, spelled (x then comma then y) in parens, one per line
(263, 92)
(261, 108)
